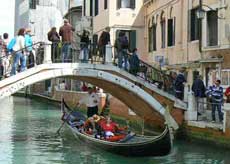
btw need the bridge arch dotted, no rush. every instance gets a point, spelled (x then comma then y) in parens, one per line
(132, 95)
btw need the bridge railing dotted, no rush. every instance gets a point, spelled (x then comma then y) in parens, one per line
(7, 57)
(88, 53)
(77, 52)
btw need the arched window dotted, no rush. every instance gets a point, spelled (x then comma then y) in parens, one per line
(171, 28)
(154, 33)
(163, 24)
(150, 30)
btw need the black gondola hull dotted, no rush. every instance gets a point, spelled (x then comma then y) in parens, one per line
(137, 146)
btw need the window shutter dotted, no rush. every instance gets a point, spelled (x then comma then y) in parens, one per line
(118, 4)
(132, 42)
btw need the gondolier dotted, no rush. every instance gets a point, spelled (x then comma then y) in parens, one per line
(91, 101)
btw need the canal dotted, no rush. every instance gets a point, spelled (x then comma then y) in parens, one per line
(28, 136)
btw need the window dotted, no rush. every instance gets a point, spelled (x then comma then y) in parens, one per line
(33, 3)
(150, 31)
(105, 4)
(194, 25)
(84, 7)
(154, 27)
(171, 32)
(162, 32)
(152, 37)
(126, 4)
(91, 8)
(96, 7)
(212, 28)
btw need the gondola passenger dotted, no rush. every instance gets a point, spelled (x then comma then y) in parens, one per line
(111, 130)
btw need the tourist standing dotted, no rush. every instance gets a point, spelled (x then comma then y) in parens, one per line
(103, 41)
(134, 62)
(199, 89)
(55, 39)
(18, 54)
(179, 84)
(215, 93)
(66, 33)
(84, 46)
(91, 101)
(29, 48)
(5, 55)
(123, 53)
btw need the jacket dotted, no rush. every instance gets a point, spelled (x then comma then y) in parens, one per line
(198, 88)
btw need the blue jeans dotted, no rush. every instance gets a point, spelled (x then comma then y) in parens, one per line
(122, 54)
(66, 52)
(86, 55)
(217, 105)
(18, 57)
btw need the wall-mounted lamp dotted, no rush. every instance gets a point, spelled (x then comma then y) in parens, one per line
(201, 12)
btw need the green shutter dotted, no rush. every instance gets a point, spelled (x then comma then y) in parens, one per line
(132, 43)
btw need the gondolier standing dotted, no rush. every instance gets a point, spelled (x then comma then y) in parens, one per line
(91, 101)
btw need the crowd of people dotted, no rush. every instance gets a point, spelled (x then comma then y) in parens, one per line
(18, 54)
(210, 96)
(16, 51)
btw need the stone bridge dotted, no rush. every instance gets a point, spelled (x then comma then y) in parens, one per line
(145, 99)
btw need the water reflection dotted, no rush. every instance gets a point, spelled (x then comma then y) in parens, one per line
(6, 128)
(28, 136)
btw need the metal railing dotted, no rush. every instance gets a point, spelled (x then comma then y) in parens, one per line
(92, 53)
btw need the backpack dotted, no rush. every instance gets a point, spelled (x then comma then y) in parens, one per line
(11, 45)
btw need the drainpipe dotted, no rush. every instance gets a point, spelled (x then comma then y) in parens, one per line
(201, 38)
(200, 30)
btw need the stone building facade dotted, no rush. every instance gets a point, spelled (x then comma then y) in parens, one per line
(192, 34)
(119, 15)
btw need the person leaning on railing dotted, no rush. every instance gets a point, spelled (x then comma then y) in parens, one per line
(18, 51)
(66, 33)
(84, 54)
(55, 39)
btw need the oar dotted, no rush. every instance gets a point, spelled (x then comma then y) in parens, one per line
(62, 107)
(58, 131)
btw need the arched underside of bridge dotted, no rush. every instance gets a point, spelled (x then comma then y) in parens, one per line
(132, 95)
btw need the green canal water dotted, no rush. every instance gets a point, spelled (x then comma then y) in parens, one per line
(28, 136)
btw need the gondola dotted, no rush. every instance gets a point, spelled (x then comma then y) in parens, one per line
(132, 145)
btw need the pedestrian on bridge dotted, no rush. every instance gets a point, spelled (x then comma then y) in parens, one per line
(103, 41)
(55, 39)
(179, 84)
(5, 60)
(29, 48)
(84, 46)
(66, 33)
(122, 45)
(134, 62)
(18, 52)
